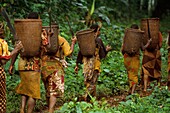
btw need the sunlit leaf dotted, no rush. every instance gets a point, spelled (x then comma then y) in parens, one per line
(92, 7)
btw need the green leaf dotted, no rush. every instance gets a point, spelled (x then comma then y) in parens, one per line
(106, 70)
(78, 109)
(92, 7)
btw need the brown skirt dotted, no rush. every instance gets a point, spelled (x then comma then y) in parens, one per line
(151, 64)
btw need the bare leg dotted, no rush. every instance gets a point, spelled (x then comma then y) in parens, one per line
(159, 81)
(23, 103)
(31, 104)
(95, 78)
(133, 88)
(168, 84)
(48, 101)
(145, 82)
(52, 102)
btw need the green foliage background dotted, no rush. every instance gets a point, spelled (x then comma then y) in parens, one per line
(116, 15)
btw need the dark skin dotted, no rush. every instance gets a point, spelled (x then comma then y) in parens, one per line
(91, 84)
(18, 45)
(142, 47)
(146, 77)
(24, 98)
(51, 101)
(108, 48)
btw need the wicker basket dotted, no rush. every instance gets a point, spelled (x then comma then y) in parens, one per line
(153, 24)
(86, 42)
(29, 32)
(132, 40)
(53, 40)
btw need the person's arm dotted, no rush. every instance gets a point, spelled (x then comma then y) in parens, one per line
(122, 49)
(108, 48)
(14, 57)
(76, 68)
(7, 55)
(73, 42)
(17, 48)
(160, 40)
(148, 43)
(123, 44)
(102, 50)
(78, 60)
(65, 46)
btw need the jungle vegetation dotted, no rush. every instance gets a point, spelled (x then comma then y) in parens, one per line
(116, 16)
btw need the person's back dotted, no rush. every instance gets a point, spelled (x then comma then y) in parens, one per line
(131, 62)
(5, 55)
(91, 68)
(53, 69)
(155, 66)
(29, 71)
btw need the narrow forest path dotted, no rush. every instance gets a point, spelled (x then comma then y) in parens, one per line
(112, 100)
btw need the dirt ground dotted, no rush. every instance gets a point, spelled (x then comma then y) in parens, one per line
(113, 100)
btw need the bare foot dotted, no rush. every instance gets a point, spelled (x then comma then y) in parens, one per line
(21, 111)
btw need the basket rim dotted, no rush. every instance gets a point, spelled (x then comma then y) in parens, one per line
(27, 20)
(53, 26)
(135, 30)
(84, 31)
(144, 19)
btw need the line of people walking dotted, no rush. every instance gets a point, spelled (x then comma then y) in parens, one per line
(149, 40)
(49, 66)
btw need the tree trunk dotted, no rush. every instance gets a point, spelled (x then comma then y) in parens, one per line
(149, 7)
(141, 4)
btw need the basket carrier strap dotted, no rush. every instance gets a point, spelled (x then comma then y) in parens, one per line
(148, 29)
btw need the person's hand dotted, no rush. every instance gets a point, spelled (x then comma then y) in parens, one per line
(50, 33)
(64, 63)
(10, 70)
(150, 40)
(76, 69)
(18, 46)
(108, 48)
(74, 39)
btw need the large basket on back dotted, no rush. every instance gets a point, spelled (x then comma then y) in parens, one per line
(29, 32)
(151, 28)
(53, 39)
(132, 40)
(86, 42)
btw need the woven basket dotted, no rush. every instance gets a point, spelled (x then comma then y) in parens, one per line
(29, 32)
(53, 40)
(132, 40)
(154, 31)
(86, 42)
